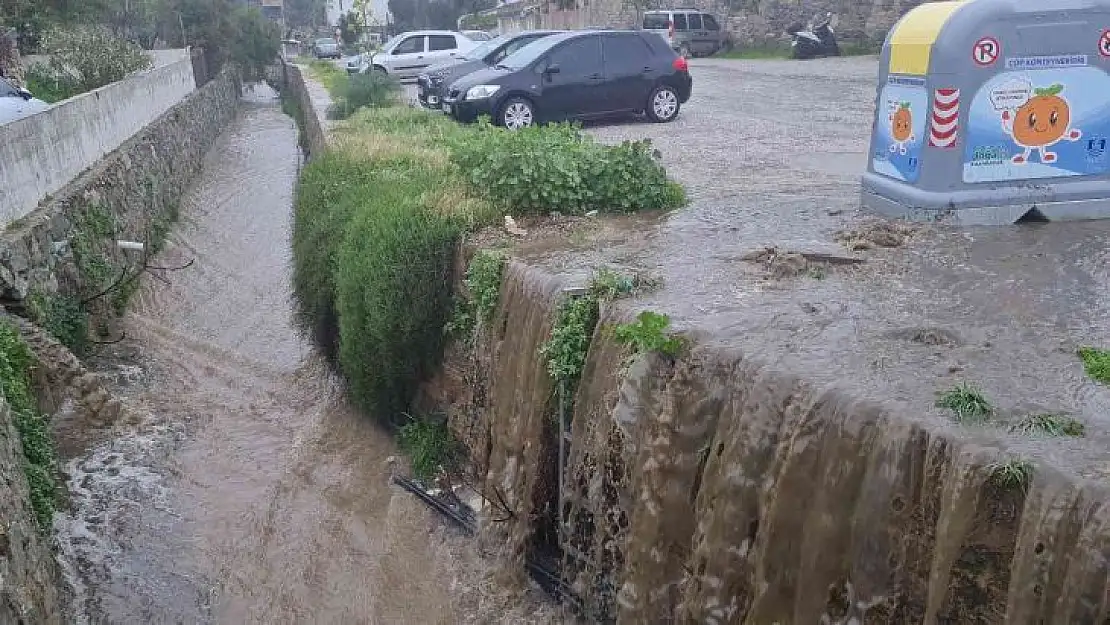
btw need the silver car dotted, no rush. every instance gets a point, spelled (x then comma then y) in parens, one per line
(407, 54)
(326, 48)
(17, 103)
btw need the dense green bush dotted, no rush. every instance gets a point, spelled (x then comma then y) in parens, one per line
(555, 167)
(372, 266)
(393, 287)
(39, 459)
(372, 89)
(84, 58)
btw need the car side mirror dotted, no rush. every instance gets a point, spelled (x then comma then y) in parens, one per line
(552, 69)
(26, 95)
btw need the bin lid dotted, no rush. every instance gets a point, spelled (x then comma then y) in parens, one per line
(912, 38)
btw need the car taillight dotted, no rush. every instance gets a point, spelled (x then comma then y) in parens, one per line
(681, 65)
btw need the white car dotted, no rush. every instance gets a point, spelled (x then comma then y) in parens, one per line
(407, 54)
(16, 103)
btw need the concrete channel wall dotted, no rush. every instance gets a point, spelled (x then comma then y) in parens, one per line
(715, 488)
(42, 153)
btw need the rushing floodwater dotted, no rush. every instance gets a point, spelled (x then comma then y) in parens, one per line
(248, 492)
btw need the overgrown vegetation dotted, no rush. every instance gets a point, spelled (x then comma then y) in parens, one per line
(95, 39)
(1011, 474)
(327, 74)
(1049, 425)
(369, 90)
(83, 58)
(967, 403)
(647, 334)
(430, 446)
(377, 222)
(39, 458)
(552, 168)
(1096, 362)
(63, 316)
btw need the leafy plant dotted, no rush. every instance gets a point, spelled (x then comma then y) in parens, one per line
(555, 167)
(1049, 425)
(430, 446)
(483, 280)
(372, 89)
(1096, 362)
(565, 351)
(967, 403)
(83, 58)
(1011, 474)
(39, 457)
(64, 317)
(646, 334)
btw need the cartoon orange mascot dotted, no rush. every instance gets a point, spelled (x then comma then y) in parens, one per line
(901, 128)
(1043, 121)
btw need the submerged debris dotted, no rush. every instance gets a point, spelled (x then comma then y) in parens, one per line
(876, 234)
(785, 264)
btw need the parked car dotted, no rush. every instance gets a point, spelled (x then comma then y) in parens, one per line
(576, 75)
(477, 35)
(431, 83)
(408, 54)
(17, 103)
(355, 64)
(689, 32)
(326, 48)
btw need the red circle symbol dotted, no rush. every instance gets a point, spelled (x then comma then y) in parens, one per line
(1104, 43)
(986, 51)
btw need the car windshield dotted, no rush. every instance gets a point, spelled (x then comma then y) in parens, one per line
(485, 48)
(656, 21)
(392, 41)
(526, 55)
(325, 42)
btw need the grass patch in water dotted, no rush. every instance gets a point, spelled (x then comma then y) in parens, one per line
(39, 456)
(1049, 425)
(1096, 362)
(967, 403)
(430, 446)
(1011, 474)
(647, 334)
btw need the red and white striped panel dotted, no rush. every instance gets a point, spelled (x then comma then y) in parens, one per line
(944, 122)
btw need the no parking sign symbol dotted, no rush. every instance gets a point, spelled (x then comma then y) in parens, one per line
(986, 51)
(1104, 43)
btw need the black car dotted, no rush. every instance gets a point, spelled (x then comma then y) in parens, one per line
(576, 75)
(431, 83)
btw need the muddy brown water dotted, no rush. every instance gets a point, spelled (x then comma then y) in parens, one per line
(249, 491)
(771, 153)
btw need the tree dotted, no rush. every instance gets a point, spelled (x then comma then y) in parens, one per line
(350, 27)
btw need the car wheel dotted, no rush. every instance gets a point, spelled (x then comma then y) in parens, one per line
(379, 70)
(517, 113)
(662, 104)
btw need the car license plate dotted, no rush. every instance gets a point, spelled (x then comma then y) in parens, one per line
(433, 100)
(447, 107)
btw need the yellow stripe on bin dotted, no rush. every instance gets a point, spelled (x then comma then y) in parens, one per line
(914, 36)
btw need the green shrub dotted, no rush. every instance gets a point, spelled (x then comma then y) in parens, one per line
(47, 86)
(555, 167)
(332, 188)
(64, 317)
(430, 445)
(372, 90)
(39, 459)
(393, 288)
(483, 280)
(84, 58)
(646, 334)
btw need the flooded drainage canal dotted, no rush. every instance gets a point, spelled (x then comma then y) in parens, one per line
(242, 488)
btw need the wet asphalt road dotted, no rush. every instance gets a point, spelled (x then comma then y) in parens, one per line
(771, 153)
